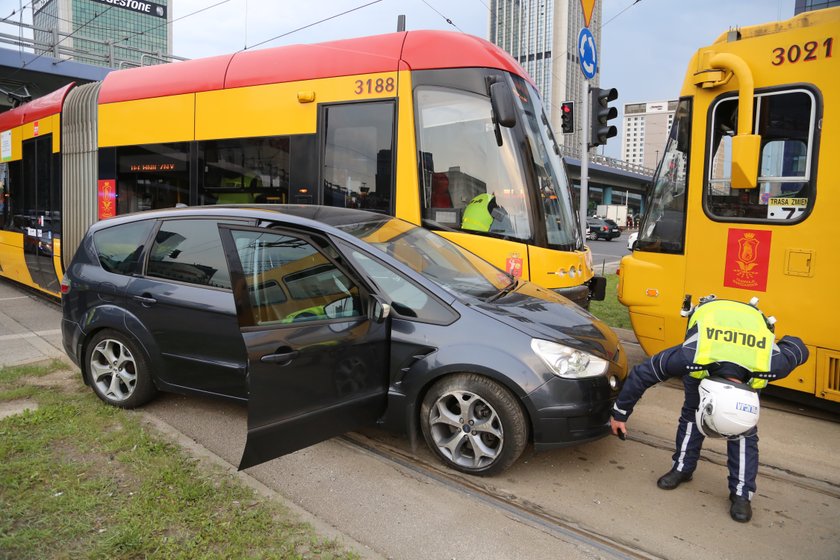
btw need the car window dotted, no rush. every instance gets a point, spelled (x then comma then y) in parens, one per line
(405, 298)
(119, 248)
(290, 281)
(189, 251)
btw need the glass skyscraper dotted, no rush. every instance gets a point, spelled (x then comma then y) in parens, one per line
(115, 33)
(542, 36)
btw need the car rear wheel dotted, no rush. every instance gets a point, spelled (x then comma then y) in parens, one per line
(118, 370)
(593, 236)
(473, 424)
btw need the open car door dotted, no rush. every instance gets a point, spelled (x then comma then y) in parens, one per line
(317, 343)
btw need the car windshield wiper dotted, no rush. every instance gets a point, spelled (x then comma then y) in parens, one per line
(504, 291)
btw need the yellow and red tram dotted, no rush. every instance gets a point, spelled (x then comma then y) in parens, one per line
(414, 124)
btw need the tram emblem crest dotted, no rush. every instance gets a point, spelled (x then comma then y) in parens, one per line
(747, 259)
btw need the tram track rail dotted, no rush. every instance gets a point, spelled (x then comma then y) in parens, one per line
(510, 505)
(550, 522)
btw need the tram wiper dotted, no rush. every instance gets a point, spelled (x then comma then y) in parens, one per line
(504, 291)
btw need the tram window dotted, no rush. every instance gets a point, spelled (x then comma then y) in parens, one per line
(664, 227)
(785, 121)
(189, 251)
(461, 162)
(12, 196)
(28, 203)
(152, 176)
(245, 170)
(358, 156)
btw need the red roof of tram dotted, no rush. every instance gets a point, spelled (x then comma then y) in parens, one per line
(417, 50)
(45, 106)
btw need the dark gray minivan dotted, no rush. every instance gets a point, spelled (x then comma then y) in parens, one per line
(326, 320)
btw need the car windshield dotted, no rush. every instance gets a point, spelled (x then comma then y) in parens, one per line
(441, 261)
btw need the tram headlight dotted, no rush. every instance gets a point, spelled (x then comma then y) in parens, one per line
(568, 362)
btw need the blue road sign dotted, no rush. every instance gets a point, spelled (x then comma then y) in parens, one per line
(587, 53)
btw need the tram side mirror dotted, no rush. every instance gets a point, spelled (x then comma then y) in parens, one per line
(746, 149)
(502, 102)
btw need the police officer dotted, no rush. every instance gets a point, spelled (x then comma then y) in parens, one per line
(732, 342)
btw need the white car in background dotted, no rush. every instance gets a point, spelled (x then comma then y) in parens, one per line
(631, 240)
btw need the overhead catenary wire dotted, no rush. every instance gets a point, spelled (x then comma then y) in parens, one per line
(24, 65)
(20, 9)
(446, 19)
(312, 24)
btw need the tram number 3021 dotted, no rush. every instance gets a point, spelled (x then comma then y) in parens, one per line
(794, 53)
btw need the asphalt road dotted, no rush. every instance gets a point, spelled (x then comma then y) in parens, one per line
(607, 254)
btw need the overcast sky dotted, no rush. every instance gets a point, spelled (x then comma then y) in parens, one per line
(645, 45)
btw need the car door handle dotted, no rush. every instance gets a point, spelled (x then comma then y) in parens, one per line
(282, 359)
(144, 300)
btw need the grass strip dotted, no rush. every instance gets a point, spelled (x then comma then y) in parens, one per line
(611, 311)
(80, 479)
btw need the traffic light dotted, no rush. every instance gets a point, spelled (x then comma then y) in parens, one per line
(567, 116)
(601, 115)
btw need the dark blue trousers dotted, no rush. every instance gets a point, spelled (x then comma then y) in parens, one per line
(742, 454)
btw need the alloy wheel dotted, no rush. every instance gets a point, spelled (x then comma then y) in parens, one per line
(466, 429)
(113, 370)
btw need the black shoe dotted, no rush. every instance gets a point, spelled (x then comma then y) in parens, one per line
(672, 479)
(741, 510)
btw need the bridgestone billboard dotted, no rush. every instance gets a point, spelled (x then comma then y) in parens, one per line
(139, 6)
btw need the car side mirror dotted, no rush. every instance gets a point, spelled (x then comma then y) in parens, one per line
(379, 310)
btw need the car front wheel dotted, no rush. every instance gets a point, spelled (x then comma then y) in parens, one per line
(118, 371)
(473, 424)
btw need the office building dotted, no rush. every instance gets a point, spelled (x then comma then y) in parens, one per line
(114, 33)
(644, 131)
(542, 36)
(810, 5)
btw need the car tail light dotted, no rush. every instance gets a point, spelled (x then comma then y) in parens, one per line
(65, 285)
(606, 228)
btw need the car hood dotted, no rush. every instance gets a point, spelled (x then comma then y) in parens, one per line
(541, 313)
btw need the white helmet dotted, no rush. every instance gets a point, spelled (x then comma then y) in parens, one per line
(728, 409)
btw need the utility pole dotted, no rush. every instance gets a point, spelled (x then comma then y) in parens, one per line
(584, 159)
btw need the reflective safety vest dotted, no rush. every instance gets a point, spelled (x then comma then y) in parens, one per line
(730, 331)
(477, 215)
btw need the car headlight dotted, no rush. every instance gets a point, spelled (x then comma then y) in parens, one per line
(568, 362)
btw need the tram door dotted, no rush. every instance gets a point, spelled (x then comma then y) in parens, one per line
(39, 222)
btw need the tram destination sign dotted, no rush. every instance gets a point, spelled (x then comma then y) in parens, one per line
(139, 6)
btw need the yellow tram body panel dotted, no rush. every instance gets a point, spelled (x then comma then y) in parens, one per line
(792, 266)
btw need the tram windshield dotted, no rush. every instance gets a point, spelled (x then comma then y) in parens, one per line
(477, 182)
(663, 227)
(470, 182)
(553, 189)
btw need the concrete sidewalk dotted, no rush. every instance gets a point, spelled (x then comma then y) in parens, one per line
(30, 327)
